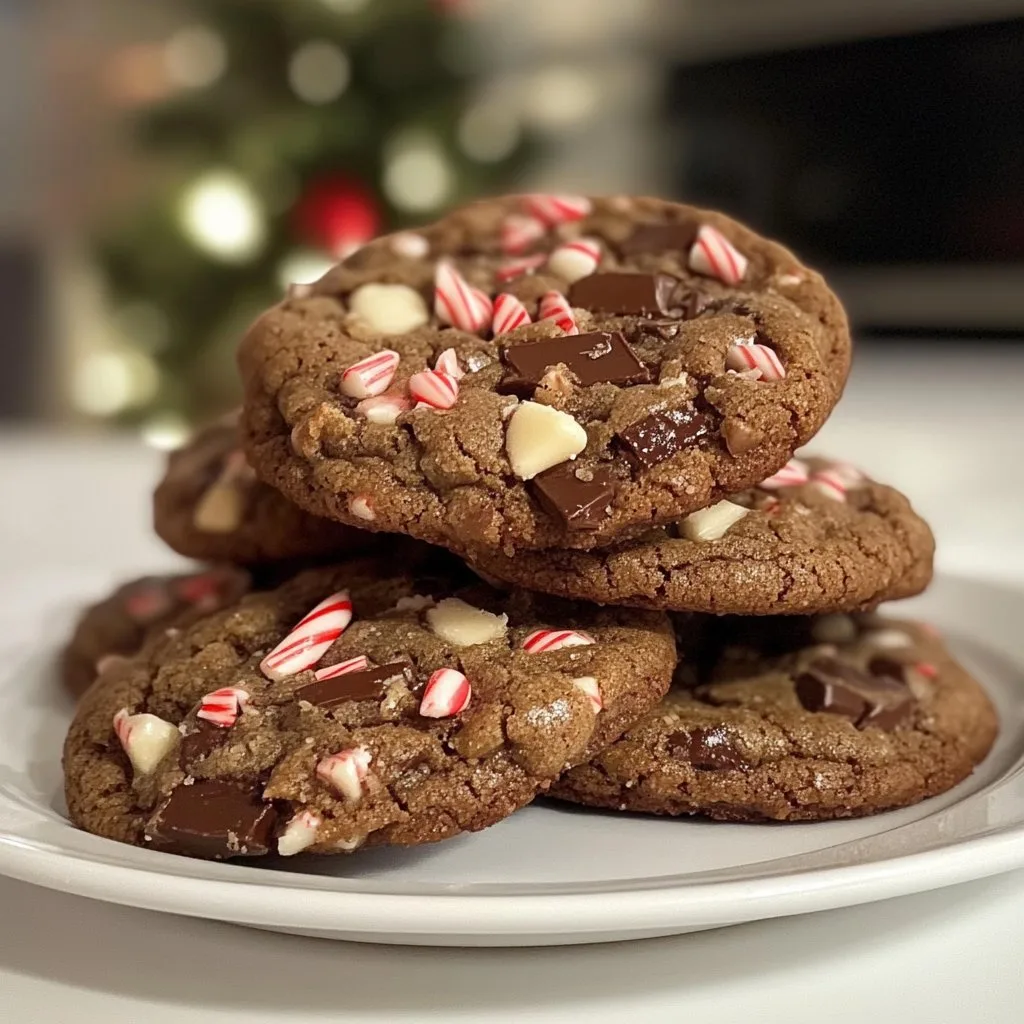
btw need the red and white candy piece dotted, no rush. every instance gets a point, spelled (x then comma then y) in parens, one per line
(148, 602)
(509, 313)
(204, 591)
(434, 389)
(512, 269)
(357, 664)
(830, 485)
(457, 302)
(384, 408)
(588, 685)
(745, 356)
(793, 474)
(310, 639)
(836, 480)
(370, 376)
(713, 255)
(299, 834)
(543, 641)
(145, 738)
(555, 306)
(448, 362)
(554, 210)
(361, 507)
(518, 233)
(575, 260)
(928, 670)
(223, 706)
(346, 771)
(447, 693)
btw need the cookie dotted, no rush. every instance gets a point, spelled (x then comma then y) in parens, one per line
(210, 506)
(481, 387)
(356, 706)
(117, 626)
(817, 536)
(799, 720)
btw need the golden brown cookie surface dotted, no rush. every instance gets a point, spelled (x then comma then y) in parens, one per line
(439, 707)
(431, 385)
(211, 507)
(798, 720)
(818, 536)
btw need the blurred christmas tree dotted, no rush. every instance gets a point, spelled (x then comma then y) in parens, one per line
(291, 131)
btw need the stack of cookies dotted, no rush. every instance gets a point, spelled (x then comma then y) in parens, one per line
(514, 508)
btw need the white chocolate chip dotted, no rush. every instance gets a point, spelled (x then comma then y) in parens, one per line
(413, 603)
(220, 509)
(539, 437)
(463, 625)
(348, 845)
(389, 308)
(299, 834)
(889, 639)
(571, 264)
(146, 739)
(410, 245)
(361, 508)
(713, 522)
(108, 661)
(836, 628)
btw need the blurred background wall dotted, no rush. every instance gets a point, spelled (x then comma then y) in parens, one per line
(169, 167)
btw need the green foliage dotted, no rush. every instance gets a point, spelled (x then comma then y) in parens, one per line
(411, 67)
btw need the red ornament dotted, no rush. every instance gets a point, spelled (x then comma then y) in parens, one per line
(338, 214)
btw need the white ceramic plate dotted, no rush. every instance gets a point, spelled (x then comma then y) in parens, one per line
(548, 875)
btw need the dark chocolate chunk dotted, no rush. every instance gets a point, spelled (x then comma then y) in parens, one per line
(213, 819)
(842, 689)
(707, 749)
(619, 293)
(894, 710)
(889, 668)
(693, 304)
(602, 357)
(577, 497)
(660, 238)
(368, 685)
(659, 436)
(200, 744)
(830, 685)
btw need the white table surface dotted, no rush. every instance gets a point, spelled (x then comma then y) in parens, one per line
(946, 428)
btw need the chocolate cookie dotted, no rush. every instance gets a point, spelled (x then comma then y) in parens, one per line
(799, 720)
(356, 706)
(817, 536)
(117, 626)
(211, 507)
(537, 372)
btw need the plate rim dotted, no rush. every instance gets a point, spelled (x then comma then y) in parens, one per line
(512, 918)
(624, 911)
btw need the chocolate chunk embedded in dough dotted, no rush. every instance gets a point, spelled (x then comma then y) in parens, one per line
(578, 497)
(213, 819)
(659, 436)
(368, 685)
(618, 293)
(603, 357)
